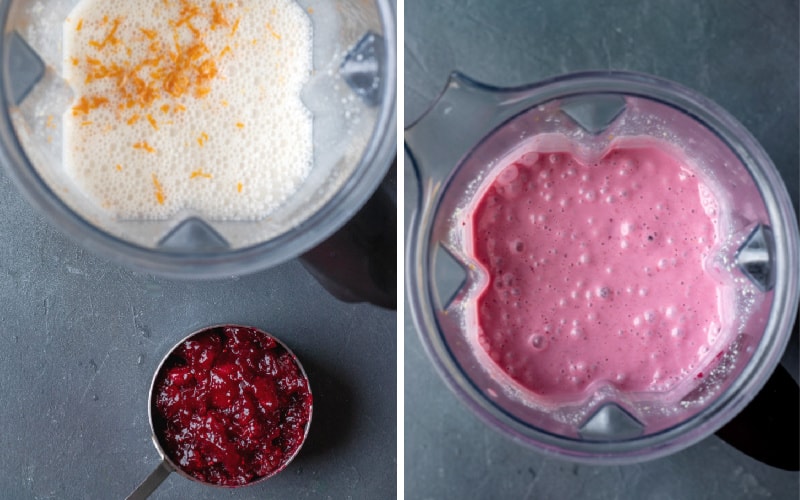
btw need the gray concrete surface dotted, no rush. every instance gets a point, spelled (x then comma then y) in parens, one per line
(743, 55)
(82, 337)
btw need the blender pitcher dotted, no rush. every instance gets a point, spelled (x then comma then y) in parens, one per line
(461, 143)
(350, 95)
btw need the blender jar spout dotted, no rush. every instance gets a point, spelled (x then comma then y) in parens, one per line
(464, 112)
(468, 110)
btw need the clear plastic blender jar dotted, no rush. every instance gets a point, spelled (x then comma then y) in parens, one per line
(350, 95)
(458, 146)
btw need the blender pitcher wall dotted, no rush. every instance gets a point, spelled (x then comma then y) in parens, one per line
(359, 262)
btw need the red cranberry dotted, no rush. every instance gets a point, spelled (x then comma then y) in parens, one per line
(231, 406)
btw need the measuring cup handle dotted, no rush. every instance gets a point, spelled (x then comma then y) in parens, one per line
(152, 482)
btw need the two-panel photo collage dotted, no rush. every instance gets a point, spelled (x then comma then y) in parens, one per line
(414, 249)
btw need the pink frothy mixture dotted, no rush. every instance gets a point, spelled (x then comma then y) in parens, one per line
(597, 271)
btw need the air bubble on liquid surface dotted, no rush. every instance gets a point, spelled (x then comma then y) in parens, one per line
(449, 276)
(611, 422)
(593, 113)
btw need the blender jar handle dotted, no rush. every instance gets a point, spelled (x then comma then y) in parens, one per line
(358, 263)
(465, 111)
(766, 429)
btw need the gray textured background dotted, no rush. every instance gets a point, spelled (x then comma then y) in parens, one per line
(744, 56)
(82, 338)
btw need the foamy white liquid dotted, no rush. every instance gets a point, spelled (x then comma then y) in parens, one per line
(256, 133)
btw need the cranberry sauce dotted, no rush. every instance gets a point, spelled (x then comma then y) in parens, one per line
(231, 406)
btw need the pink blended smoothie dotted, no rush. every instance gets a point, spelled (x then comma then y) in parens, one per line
(596, 272)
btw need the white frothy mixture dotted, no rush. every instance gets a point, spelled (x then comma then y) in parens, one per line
(188, 104)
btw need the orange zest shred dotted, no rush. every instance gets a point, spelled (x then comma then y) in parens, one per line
(200, 174)
(167, 71)
(159, 190)
(217, 17)
(272, 32)
(145, 146)
(311, 10)
(176, 84)
(110, 37)
(208, 69)
(195, 31)
(152, 121)
(85, 105)
(177, 44)
(79, 26)
(175, 66)
(82, 108)
(150, 34)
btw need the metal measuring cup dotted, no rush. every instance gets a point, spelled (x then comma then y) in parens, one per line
(167, 464)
